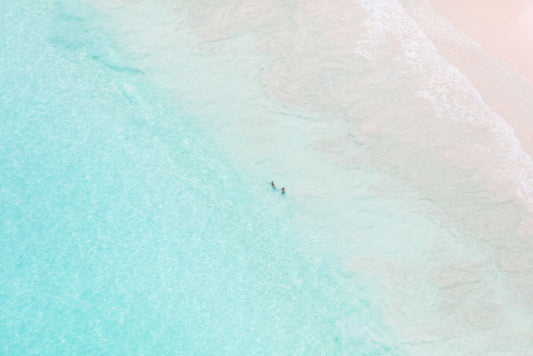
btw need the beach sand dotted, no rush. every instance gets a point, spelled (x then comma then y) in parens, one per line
(503, 28)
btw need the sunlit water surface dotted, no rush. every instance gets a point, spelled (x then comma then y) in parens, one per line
(125, 231)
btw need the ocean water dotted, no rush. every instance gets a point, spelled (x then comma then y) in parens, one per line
(124, 230)
(391, 129)
(139, 141)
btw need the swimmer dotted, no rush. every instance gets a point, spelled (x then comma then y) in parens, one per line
(273, 185)
(282, 190)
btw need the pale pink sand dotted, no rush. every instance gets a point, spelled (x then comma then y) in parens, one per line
(503, 28)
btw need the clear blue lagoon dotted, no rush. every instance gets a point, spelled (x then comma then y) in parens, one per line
(123, 230)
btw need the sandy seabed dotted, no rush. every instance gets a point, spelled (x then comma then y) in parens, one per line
(390, 126)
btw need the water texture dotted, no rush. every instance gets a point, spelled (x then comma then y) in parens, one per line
(393, 130)
(137, 146)
(124, 230)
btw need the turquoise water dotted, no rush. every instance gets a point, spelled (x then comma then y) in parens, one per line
(124, 231)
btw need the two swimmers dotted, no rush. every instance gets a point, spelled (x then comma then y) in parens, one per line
(274, 187)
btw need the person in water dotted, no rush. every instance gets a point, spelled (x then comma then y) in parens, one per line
(274, 187)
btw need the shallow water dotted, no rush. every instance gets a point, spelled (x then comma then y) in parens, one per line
(125, 231)
(382, 121)
(407, 223)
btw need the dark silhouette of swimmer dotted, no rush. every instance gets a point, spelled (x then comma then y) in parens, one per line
(282, 190)
(272, 184)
